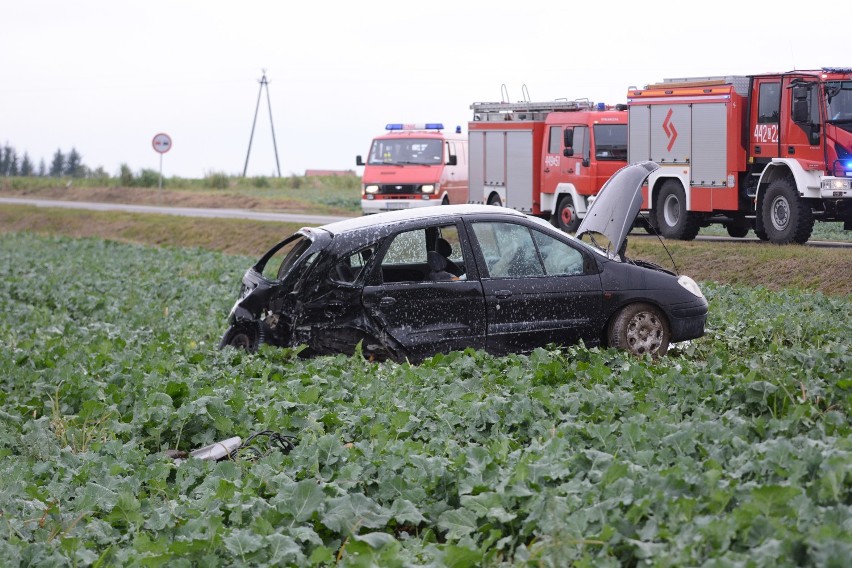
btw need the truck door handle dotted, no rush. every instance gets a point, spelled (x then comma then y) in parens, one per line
(387, 301)
(547, 170)
(503, 294)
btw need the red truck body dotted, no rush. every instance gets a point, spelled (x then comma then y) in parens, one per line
(545, 159)
(769, 152)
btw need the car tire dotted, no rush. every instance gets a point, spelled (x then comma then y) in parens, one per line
(673, 220)
(566, 215)
(786, 217)
(640, 329)
(494, 199)
(244, 335)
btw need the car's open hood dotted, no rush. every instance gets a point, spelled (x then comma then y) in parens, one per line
(615, 208)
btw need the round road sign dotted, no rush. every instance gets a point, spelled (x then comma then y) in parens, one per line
(162, 143)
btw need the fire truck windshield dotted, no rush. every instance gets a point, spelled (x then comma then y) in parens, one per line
(839, 99)
(406, 151)
(611, 141)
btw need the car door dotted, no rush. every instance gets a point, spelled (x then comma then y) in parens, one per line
(538, 288)
(420, 313)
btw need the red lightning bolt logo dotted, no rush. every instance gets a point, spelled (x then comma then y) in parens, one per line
(670, 130)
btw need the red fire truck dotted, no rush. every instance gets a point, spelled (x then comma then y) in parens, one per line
(546, 159)
(414, 165)
(769, 152)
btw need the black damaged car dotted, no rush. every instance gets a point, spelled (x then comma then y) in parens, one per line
(409, 284)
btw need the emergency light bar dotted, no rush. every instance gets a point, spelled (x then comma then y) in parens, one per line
(427, 126)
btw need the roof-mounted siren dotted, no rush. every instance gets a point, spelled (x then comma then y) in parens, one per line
(419, 126)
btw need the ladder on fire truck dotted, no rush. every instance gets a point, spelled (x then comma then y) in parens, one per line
(525, 110)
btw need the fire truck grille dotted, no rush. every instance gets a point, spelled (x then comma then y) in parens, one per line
(397, 189)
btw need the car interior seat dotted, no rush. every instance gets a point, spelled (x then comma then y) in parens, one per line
(444, 248)
(437, 266)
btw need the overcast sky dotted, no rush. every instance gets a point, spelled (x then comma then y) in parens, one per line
(105, 76)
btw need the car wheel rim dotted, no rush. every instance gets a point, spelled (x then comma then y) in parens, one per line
(671, 210)
(780, 213)
(644, 333)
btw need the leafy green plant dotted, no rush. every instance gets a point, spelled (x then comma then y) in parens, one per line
(735, 449)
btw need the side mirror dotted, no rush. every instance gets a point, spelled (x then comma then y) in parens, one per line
(568, 152)
(359, 161)
(453, 160)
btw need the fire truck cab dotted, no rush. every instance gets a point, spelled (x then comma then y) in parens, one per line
(769, 152)
(414, 165)
(545, 158)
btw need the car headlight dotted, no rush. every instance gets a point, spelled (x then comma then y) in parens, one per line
(428, 188)
(371, 189)
(690, 285)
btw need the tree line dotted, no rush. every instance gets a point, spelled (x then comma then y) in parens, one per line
(70, 164)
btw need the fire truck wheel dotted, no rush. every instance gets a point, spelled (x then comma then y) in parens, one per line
(673, 220)
(566, 217)
(787, 218)
(494, 199)
(445, 200)
(736, 231)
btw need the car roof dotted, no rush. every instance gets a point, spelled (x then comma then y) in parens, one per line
(433, 211)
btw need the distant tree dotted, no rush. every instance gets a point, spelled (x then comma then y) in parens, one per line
(26, 165)
(11, 162)
(5, 152)
(42, 168)
(57, 166)
(99, 173)
(74, 164)
(126, 176)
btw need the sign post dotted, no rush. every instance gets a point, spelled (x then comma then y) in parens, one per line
(162, 143)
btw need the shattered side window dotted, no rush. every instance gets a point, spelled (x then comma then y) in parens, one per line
(559, 259)
(508, 250)
(284, 258)
(351, 267)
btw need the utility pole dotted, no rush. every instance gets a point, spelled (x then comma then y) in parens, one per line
(263, 83)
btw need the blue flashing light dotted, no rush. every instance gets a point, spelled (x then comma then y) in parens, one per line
(427, 126)
(601, 106)
(849, 165)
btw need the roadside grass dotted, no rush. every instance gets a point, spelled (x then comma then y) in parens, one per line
(318, 195)
(741, 263)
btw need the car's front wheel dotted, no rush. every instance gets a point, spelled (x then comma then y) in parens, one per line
(640, 329)
(244, 335)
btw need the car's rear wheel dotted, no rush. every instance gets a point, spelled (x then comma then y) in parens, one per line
(244, 335)
(640, 329)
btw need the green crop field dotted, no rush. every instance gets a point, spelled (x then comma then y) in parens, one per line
(733, 450)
